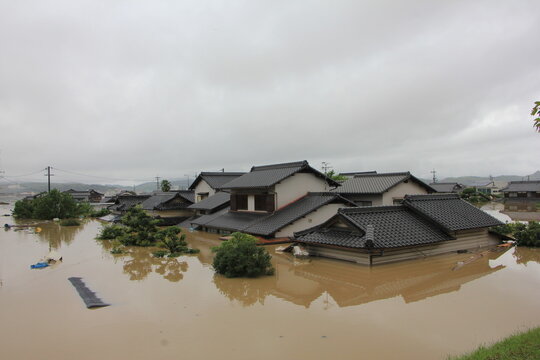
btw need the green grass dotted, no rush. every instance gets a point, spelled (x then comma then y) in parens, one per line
(523, 346)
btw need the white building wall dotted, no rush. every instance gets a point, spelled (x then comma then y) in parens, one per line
(399, 191)
(314, 218)
(297, 186)
(203, 187)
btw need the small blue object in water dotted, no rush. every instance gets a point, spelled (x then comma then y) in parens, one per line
(39, 265)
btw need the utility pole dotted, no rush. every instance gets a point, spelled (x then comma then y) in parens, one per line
(325, 167)
(187, 180)
(434, 175)
(157, 183)
(48, 175)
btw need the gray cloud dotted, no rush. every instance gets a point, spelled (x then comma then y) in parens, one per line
(135, 89)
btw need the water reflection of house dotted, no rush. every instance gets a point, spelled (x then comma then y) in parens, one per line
(448, 187)
(90, 195)
(347, 285)
(276, 200)
(372, 189)
(423, 225)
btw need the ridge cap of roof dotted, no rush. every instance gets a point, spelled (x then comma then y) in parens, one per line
(280, 165)
(404, 173)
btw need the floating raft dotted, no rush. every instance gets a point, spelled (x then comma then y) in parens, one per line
(89, 297)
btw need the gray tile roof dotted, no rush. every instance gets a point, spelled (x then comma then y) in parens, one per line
(189, 195)
(522, 186)
(160, 201)
(292, 212)
(124, 203)
(393, 226)
(215, 201)
(205, 219)
(215, 179)
(267, 224)
(450, 212)
(232, 221)
(268, 175)
(376, 183)
(445, 187)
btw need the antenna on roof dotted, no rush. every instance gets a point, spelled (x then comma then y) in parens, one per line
(434, 175)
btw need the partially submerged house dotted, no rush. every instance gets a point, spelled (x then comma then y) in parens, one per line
(170, 204)
(90, 195)
(125, 202)
(212, 204)
(208, 183)
(523, 190)
(447, 187)
(422, 225)
(372, 189)
(274, 201)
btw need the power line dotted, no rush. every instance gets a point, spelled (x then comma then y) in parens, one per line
(23, 175)
(99, 177)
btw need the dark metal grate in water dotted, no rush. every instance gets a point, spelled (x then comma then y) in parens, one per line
(89, 297)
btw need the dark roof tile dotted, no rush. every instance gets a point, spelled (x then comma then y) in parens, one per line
(450, 212)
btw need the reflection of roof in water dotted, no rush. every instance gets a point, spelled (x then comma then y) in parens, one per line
(351, 285)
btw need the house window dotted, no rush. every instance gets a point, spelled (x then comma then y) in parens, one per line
(241, 202)
(397, 201)
(264, 202)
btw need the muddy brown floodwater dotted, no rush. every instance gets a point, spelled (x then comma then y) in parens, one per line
(317, 309)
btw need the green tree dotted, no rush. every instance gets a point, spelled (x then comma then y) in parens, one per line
(241, 257)
(141, 228)
(165, 185)
(336, 177)
(48, 206)
(536, 112)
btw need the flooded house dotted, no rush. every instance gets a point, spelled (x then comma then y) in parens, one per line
(90, 195)
(447, 187)
(372, 189)
(209, 183)
(274, 201)
(171, 206)
(123, 203)
(522, 190)
(423, 225)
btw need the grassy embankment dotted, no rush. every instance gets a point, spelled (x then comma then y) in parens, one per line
(522, 346)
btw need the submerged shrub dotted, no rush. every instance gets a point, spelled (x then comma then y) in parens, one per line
(70, 222)
(241, 257)
(100, 213)
(111, 232)
(525, 234)
(160, 253)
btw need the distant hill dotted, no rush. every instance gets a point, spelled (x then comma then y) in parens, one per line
(469, 180)
(33, 187)
(148, 187)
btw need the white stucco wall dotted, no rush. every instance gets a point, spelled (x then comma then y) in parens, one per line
(312, 219)
(203, 187)
(297, 186)
(399, 191)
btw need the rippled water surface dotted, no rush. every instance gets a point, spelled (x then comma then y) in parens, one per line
(314, 309)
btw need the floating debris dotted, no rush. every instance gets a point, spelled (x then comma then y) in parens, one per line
(39, 265)
(89, 297)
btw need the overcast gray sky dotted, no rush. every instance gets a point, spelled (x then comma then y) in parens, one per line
(134, 89)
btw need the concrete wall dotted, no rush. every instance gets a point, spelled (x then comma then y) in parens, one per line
(399, 191)
(203, 186)
(312, 219)
(297, 186)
